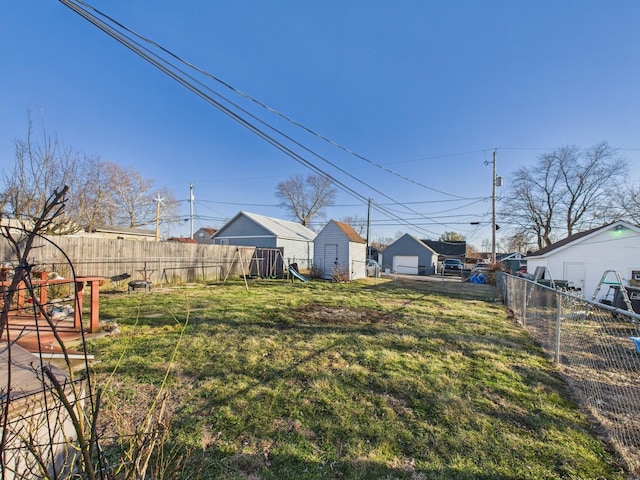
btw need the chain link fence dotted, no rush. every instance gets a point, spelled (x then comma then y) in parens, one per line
(594, 347)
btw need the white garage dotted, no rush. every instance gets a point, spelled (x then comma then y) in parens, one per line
(339, 246)
(582, 258)
(405, 264)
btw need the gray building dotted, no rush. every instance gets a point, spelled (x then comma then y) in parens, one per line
(204, 234)
(409, 255)
(295, 241)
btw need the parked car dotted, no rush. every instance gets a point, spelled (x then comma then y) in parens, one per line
(373, 268)
(482, 267)
(452, 265)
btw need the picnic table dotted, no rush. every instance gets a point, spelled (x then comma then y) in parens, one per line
(44, 282)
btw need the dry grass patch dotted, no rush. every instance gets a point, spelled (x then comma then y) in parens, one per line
(358, 381)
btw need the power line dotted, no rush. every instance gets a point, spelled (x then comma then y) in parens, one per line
(173, 72)
(263, 105)
(477, 199)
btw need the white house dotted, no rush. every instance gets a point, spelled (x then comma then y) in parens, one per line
(295, 241)
(339, 246)
(582, 258)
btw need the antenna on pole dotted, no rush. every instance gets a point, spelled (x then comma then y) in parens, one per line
(159, 200)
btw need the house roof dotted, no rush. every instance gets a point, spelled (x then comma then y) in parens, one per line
(279, 228)
(501, 257)
(407, 236)
(348, 230)
(448, 249)
(579, 236)
(181, 240)
(124, 230)
(208, 230)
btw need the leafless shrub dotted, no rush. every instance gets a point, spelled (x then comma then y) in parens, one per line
(316, 272)
(340, 274)
(50, 431)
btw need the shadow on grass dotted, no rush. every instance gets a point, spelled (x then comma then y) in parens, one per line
(269, 465)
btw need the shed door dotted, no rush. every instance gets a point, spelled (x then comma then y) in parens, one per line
(405, 264)
(574, 274)
(330, 259)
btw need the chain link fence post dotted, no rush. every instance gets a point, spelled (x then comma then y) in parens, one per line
(558, 321)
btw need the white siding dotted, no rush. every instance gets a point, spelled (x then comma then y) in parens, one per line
(329, 259)
(358, 255)
(332, 235)
(351, 256)
(298, 252)
(606, 250)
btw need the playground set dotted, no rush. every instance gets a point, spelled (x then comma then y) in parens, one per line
(264, 263)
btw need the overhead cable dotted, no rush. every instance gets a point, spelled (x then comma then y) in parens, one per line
(173, 72)
(259, 103)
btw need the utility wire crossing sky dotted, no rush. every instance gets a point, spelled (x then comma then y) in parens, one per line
(403, 104)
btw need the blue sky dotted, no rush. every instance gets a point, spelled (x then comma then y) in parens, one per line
(424, 89)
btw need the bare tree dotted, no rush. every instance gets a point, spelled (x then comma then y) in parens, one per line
(451, 237)
(169, 209)
(567, 190)
(359, 224)
(590, 178)
(518, 242)
(99, 192)
(472, 252)
(67, 393)
(531, 205)
(39, 168)
(306, 198)
(91, 204)
(54, 432)
(114, 195)
(629, 199)
(131, 196)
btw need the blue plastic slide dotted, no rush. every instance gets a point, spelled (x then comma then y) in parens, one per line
(293, 272)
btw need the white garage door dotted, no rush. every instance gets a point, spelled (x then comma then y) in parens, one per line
(405, 264)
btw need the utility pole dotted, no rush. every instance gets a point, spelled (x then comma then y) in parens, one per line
(191, 209)
(495, 182)
(493, 212)
(159, 200)
(368, 225)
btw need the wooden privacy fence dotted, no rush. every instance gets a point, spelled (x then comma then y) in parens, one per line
(157, 262)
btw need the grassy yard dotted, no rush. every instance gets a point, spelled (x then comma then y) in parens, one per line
(356, 381)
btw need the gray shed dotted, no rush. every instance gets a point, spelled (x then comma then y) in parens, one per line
(339, 246)
(294, 240)
(409, 255)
